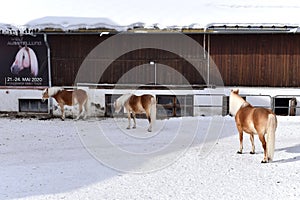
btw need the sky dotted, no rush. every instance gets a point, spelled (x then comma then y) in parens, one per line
(170, 12)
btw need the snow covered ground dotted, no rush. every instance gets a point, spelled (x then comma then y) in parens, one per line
(183, 158)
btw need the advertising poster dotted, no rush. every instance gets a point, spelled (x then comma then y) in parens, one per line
(23, 61)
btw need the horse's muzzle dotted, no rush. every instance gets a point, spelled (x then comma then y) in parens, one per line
(15, 69)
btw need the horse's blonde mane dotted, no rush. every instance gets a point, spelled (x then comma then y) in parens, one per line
(33, 62)
(54, 90)
(236, 102)
(120, 102)
(122, 99)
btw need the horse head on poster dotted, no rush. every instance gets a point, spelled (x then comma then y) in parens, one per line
(25, 58)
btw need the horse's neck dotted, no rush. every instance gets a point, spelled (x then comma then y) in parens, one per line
(236, 103)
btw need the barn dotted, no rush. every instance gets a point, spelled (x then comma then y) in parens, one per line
(190, 69)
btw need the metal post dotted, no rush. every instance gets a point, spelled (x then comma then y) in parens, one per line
(208, 59)
(50, 102)
(155, 74)
(154, 63)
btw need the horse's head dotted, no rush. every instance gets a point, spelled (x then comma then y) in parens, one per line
(117, 106)
(25, 58)
(45, 94)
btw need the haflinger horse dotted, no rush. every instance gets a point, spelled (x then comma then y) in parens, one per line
(24, 59)
(254, 120)
(136, 105)
(68, 97)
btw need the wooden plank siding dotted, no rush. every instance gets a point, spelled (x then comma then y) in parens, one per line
(243, 60)
(171, 69)
(68, 51)
(257, 59)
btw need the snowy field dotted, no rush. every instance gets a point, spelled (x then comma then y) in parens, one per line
(183, 158)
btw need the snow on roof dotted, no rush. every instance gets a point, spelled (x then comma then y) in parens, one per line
(187, 15)
(72, 23)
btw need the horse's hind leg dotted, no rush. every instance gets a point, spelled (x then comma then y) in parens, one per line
(62, 111)
(150, 122)
(264, 144)
(85, 109)
(252, 143)
(128, 116)
(80, 112)
(134, 122)
(241, 141)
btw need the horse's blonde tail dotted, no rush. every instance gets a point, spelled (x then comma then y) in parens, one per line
(153, 110)
(271, 128)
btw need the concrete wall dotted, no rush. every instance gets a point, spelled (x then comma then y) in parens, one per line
(204, 104)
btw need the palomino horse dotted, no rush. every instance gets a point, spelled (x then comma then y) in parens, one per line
(24, 59)
(66, 97)
(136, 105)
(260, 121)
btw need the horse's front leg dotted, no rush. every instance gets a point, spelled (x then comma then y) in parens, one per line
(252, 143)
(128, 116)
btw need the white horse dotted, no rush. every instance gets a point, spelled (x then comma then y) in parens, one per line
(25, 58)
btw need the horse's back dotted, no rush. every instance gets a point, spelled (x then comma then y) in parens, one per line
(140, 103)
(261, 116)
(69, 97)
(146, 99)
(80, 93)
(253, 119)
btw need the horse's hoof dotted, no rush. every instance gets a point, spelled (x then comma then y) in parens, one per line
(264, 161)
(134, 127)
(239, 152)
(149, 130)
(128, 128)
(252, 152)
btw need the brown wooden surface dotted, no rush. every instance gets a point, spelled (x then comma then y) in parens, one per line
(258, 59)
(243, 60)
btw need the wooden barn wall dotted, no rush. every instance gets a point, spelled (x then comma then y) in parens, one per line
(243, 60)
(67, 54)
(137, 65)
(257, 59)
(69, 51)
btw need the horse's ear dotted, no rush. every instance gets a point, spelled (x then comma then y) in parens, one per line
(236, 91)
